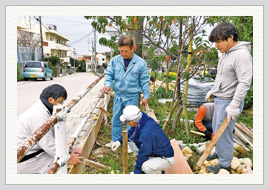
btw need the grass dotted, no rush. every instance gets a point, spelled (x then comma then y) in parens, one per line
(110, 159)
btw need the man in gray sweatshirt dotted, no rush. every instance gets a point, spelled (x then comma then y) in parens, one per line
(233, 79)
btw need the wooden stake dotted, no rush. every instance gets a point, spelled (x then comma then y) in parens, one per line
(244, 129)
(125, 151)
(105, 112)
(197, 133)
(212, 143)
(95, 164)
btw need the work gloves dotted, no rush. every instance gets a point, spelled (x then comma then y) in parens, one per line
(208, 134)
(232, 112)
(115, 146)
(209, 96)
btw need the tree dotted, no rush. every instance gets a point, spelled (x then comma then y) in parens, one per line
(153, 61)
(28, 39)
(54, 60)
(80, 65)
(171, 34)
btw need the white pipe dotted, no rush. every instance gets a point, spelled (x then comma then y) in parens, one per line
(79, 128)
(84, 120)
(106, 102)
(61, 144)
(60, 139)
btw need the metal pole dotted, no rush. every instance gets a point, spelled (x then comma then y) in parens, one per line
(56, 166)
(43, 129)
(125, 151)
(60, 142)
(28, 143)
(41, 36)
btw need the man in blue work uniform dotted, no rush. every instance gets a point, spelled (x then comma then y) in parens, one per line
(127, 74)
(148, 141)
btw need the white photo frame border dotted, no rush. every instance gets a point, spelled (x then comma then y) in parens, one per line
(12, 12)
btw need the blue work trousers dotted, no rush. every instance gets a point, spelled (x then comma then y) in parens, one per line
(225, 144)
(118, 106)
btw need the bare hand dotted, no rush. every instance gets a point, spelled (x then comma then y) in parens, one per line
(144, 102)
(75, 159)
(77, 151)
(106, 89)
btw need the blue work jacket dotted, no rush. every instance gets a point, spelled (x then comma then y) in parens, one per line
(127, 85)
(151, 141)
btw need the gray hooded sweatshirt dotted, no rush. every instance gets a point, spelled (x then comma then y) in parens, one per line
(234, 74)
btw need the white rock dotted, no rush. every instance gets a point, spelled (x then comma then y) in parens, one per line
(235, 163)
(223, 171)
(187, 150)
(247, 161)
(201, 149)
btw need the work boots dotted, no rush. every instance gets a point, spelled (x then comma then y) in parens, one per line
(212, 157)
(215, 169)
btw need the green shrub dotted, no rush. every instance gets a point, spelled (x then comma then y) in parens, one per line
(248, 103)
(54, 71)
(19, 77)
(161, 93)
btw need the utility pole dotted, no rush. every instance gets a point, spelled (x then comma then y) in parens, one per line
(42, 53)
(74, 61)
(95, 49)
(30, 21)
(93, 55)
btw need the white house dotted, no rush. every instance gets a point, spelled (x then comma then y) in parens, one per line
(54, 43)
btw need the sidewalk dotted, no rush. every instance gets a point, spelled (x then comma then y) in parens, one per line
(81, 110)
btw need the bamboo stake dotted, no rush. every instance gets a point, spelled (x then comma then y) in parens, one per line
(212, 143)
(243, 138)
(244, 129)
(247, 126)
(167, 75)
(187, 83)
(95, 164)
(197, 133)
(125, 151)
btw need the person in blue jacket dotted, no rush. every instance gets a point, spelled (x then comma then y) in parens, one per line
(127, 74)
(148, 141)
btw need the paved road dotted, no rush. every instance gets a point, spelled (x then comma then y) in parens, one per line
(29, 91)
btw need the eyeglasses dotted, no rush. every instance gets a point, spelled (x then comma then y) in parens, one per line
(59, 101)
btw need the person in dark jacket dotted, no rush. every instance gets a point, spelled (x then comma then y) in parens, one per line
(148, 141)
(203, 119)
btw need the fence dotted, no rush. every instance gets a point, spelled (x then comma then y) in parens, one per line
(42, 130)
(26, 54)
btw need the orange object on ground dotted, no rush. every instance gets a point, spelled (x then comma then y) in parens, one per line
(180, 166)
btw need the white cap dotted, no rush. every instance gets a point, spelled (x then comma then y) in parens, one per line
(130, 113)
